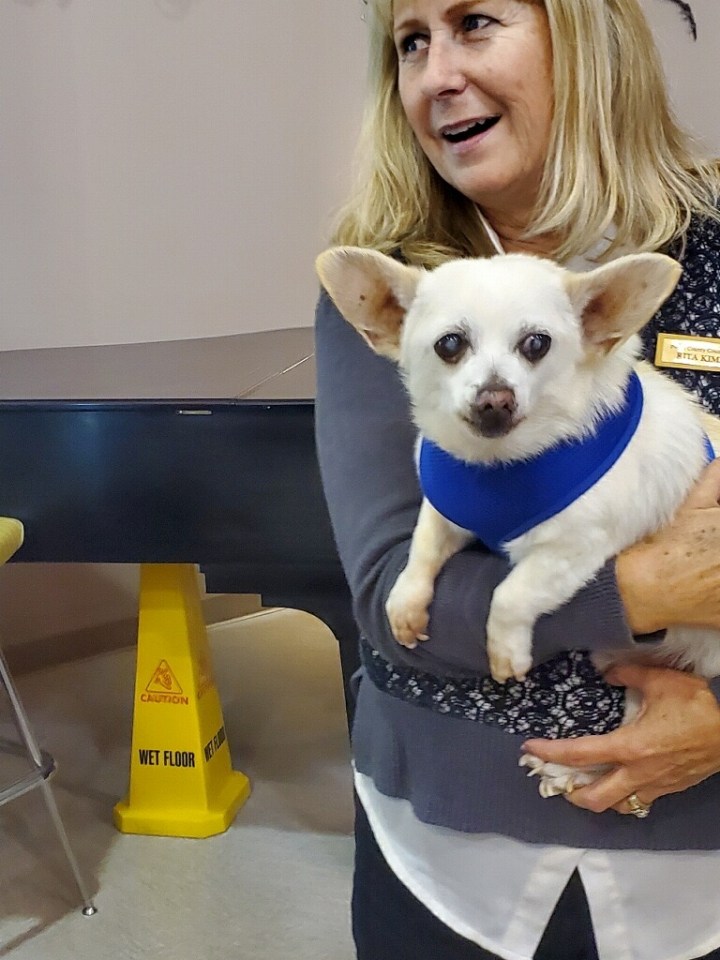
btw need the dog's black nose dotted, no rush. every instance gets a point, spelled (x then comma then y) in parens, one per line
(494, 408)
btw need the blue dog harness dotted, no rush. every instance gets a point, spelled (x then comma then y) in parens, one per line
(501, 501)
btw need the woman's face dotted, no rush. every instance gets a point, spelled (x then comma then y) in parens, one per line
(475, 81)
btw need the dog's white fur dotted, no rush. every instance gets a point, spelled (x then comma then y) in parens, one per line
(592, 320)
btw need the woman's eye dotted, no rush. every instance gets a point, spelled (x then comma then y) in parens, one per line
(475, 21)
(534, 346)
(413, 43)
(451, 347)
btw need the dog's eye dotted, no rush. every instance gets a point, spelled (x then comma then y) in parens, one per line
(535, 346)
(451, 347)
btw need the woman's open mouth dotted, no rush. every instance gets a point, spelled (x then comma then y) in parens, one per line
(461, 133)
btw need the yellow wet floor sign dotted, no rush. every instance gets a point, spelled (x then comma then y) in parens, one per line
(181, 779)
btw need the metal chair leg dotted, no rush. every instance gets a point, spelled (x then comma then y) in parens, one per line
(44, 767)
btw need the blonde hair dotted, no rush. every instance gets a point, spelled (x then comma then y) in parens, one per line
(616, 155)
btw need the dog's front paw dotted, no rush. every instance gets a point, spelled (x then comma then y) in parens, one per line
(510, 654)
(509, 644)
(507, 664)
(407, 610)
(556, 778)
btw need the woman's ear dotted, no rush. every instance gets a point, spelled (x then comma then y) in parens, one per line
(372, 291)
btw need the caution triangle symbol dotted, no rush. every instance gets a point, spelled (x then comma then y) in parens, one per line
(163, 680)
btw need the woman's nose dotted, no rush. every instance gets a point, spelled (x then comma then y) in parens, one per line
(443, 73)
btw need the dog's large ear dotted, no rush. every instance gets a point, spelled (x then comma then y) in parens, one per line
(616, 300)
(372, 291)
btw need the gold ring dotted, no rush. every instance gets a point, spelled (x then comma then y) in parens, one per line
(637, 807)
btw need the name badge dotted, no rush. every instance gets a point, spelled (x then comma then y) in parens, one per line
(687, 353)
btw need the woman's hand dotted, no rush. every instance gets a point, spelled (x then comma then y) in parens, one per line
(673, 577)
(672, 744)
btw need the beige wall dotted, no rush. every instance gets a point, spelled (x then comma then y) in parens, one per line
(691, 67)
(168, 165)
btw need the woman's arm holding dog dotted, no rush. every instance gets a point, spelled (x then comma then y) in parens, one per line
(365, 445)
(672, 578)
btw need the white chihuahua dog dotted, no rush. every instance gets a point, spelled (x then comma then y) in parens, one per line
(540, 434)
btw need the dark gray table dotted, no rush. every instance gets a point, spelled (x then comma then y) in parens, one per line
(199, 451)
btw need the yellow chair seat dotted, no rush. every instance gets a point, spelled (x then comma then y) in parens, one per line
(12, 534)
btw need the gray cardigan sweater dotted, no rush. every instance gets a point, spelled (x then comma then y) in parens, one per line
(431, 726)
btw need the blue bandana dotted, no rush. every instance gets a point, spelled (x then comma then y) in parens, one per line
(498, 502)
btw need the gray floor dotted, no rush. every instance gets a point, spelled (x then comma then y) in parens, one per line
(274, 886)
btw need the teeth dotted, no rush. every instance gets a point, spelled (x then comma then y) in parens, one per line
(473, 126)
(469, 126)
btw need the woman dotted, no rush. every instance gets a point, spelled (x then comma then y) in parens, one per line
(497, 126)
